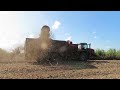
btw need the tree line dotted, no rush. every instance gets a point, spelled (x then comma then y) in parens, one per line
(110, 54)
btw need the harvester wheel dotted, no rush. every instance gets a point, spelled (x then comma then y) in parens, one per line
(83, 57)
(53, 60)
(41, 59)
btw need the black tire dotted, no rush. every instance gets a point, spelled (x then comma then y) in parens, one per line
(53, 62)
(48, 59)
(53, 59)
(83, 57)
(42, 59)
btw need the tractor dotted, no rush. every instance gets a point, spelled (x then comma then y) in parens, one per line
(40, 49)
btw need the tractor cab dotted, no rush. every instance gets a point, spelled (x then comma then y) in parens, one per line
(84, 46)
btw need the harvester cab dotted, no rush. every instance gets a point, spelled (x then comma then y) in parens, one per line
(86, 51)
(84, 46)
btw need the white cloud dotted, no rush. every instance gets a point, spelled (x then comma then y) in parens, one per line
(68, 38)
(94, 32)
(8, 30)
(32, 36)
(56, 25)
(67, 34)
(11, 33)
(14, 28)
(95, 37)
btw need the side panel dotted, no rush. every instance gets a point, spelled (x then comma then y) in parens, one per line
(31, 48)
(58, 46)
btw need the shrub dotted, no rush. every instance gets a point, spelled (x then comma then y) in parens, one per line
(15, 54)
(118, 55)
(110, 54)
(100, 54)
(3, 54)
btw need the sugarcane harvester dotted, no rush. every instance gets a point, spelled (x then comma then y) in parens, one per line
(44, 47)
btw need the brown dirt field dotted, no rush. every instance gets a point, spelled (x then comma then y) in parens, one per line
(97, 69)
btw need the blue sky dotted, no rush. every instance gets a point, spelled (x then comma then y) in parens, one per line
(100, 28)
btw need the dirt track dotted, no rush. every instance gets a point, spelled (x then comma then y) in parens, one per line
(107, 69)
